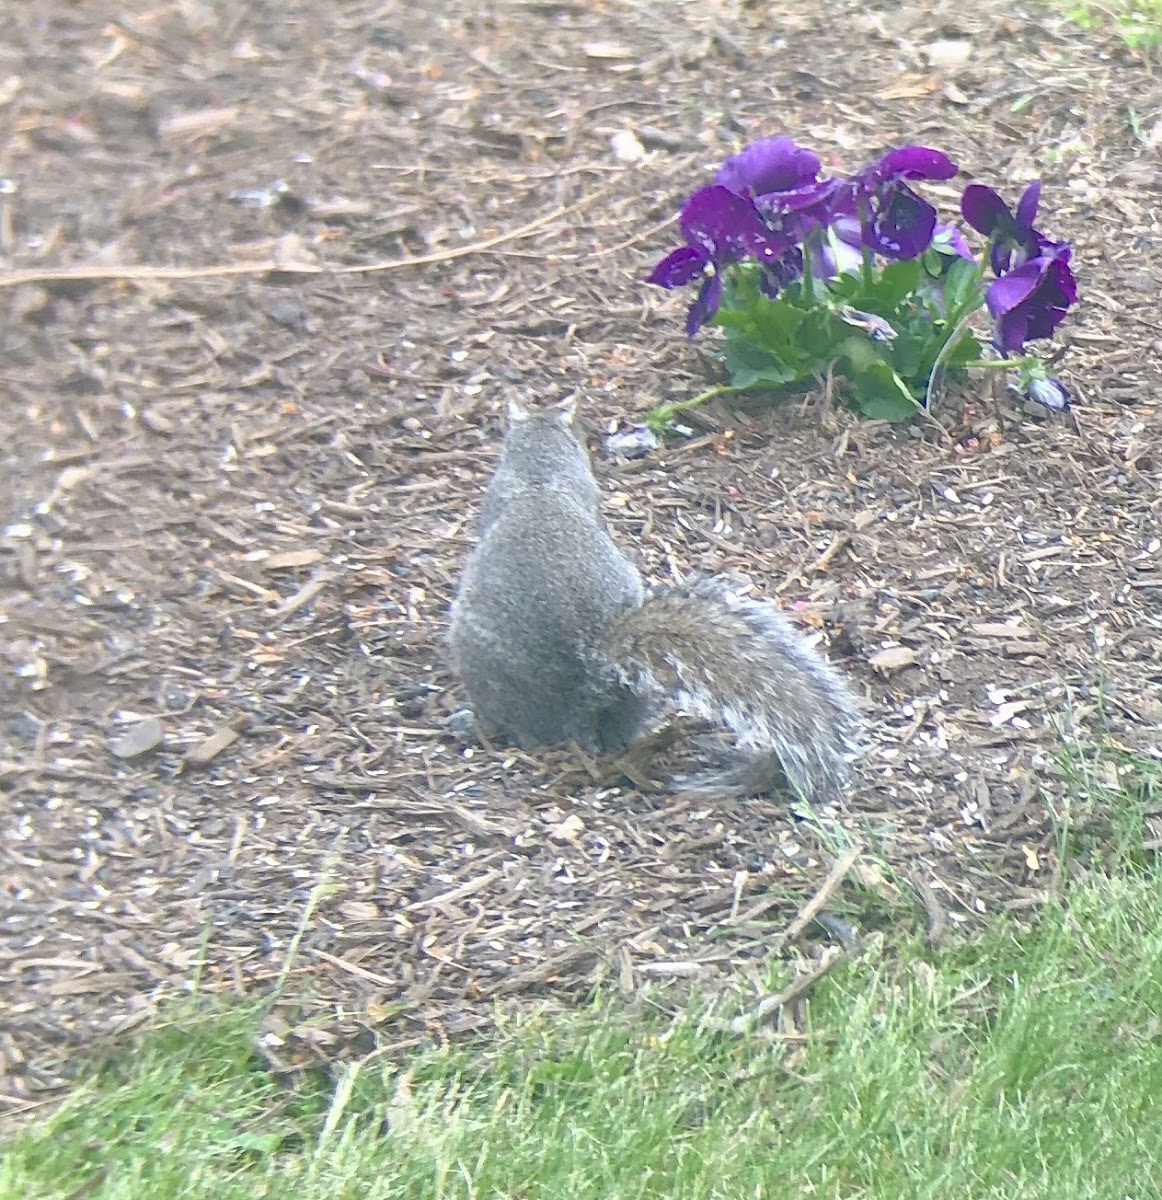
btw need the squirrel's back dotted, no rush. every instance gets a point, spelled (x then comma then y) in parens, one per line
(538, 595)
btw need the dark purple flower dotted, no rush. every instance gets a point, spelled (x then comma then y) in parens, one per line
(895, 221)
(1012, 235)
(771, 165)
(720, 227)
(799, 212)
(1031, 300)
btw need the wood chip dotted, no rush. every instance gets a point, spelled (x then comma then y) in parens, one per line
(291, 558)
(196, 124)
(209, 749)
(609, 51)
(948, 54)
(894, 658)
(308, 592)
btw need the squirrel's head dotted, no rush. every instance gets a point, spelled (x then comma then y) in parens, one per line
(563, 413)
(546, 440)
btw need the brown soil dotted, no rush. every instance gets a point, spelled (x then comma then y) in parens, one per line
(246, 441)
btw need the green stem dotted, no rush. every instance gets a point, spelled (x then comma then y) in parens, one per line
(808, 278)
(664, 413)
(866, 256)
(1002, 364)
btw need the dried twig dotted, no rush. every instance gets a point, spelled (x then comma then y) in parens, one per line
(827, 889)
(838, 542)
(267, 265)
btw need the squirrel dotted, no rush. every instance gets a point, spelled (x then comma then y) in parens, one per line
(556, 639)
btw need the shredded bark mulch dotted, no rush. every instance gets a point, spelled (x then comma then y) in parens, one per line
(269, 274)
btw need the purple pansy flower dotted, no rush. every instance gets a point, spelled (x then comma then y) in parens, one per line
(1031, 300)
(774, 164)
(720, 227)
(896, 222)
(1012, 234)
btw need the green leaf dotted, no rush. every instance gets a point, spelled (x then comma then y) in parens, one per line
(750, 363)
(912, 354)
(965, 351)
(882, 395)
(933, 262)
(861, 353)
(845, 287)
(885, 406)
(895, 283)
(733, 318)
(891, 285)
(819, 337)
(777, 325)
(962, 287)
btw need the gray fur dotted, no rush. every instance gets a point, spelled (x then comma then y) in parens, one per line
(556, 640)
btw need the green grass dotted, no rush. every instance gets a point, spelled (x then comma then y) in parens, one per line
(1139, 22)
(1026, 1064)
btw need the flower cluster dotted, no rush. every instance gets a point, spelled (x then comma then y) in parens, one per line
(1035, 287)
(768, 203)
(771, 227)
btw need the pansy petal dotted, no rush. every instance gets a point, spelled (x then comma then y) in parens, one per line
(724, 225)
(1014, 289)
(848, 230)
(1059, 254)
(705, 305)
(904, 228)
(799, 212)
(678, 268)
(1027, 205)
(846, 255)
(1000, 257)
(770, 165)
(1046, 310)
(982, 208)
(799, 198)
(1009, 332)
(1042, 321)
(915, 162)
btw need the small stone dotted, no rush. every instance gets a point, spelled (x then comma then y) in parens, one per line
(948, 55)
(140, 738)
(626, 147)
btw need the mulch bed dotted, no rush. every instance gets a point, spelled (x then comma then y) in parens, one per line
(319, 247)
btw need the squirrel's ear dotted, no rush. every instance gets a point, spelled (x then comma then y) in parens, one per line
(517, 412)
(566, 411)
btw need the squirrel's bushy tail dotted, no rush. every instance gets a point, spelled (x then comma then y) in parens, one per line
(740, 662)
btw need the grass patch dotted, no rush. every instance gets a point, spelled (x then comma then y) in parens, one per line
(1114, 793)
(1027, 1064)
(1138, 22)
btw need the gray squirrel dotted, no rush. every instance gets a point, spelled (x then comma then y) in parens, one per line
(557, 640)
